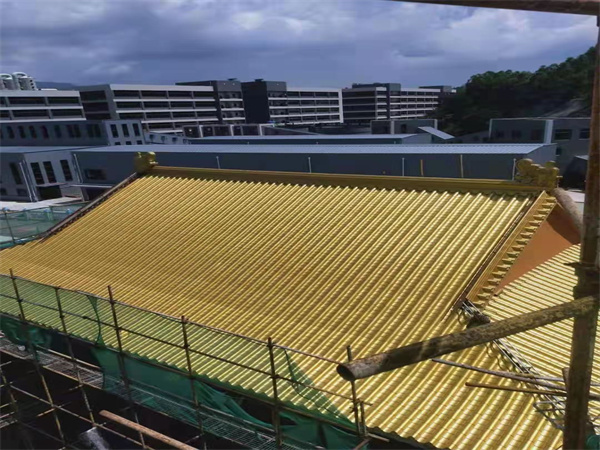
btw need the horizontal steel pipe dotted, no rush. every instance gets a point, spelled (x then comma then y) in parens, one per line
(442, 345)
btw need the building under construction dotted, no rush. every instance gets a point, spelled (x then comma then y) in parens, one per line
(211, 308)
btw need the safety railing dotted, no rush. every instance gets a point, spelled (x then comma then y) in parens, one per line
(262, 370)
(21, 226)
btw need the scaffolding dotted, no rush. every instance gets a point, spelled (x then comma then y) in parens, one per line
(185, 370)
(18, 227)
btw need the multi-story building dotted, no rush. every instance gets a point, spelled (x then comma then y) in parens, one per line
(274, 101)
(164, 109)
(380, 101)
(43, 105)
(228, 99)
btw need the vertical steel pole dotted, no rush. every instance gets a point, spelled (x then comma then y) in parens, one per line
(276, 418)
(584, 327)
(12, 235)
(122, 367)
(72, 355)
(462, 169)
(354, 396)
(186, 346)
(36, 363)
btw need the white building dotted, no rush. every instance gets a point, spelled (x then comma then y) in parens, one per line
(381, 101)
(40, 105)
(163, 109)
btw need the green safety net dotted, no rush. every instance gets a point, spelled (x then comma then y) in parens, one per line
(170, 391)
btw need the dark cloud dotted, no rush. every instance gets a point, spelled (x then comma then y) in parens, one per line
(310, 42)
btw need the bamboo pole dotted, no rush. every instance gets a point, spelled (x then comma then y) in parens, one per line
(276, 417)
(441, 345)
(355, 408)
(588, 273)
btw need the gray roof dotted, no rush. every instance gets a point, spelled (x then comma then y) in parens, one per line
(40, 149)
(300, 137)
(486, 149)
(586, 157)
(436, 132)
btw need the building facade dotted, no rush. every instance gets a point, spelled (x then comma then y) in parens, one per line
(74, 132)
(228, 99)
(275, 102)
(570, 134)
(160, 108)
(381, 101)
(43, 105)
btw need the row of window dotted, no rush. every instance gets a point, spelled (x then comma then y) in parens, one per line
(163, 94)
(115, 131)
(537, 135)
(169, 115)
(37, 172)
(41, 113)
(43, 131)
(17, 101)
(151, 105)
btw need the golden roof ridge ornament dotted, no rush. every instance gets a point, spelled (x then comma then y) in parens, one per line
(144, 162)
(532, 174)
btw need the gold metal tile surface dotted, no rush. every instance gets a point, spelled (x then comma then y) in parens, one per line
(317, 267)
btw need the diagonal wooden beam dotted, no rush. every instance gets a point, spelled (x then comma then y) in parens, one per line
(442, 345)
(585, 7)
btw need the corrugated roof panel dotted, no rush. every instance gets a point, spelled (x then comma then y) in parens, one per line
(317, 262)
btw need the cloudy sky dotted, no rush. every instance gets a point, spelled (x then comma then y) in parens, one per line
(305, 42)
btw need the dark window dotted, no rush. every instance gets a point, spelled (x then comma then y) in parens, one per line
(77, 131)
(536, 135)
(90, 130)
(37, 173)
(21, 132)
(127, 142)
(94, 174)
(136, 129)
(516, 134)
(11, 133)
(93, 95)
(16, 173)
(4, 114)
(139, 142)
(117, 143)
(57, 131)
(33, 113)
(558, 151)
(32, 132)
(562, 135)
(2, 191)
(499, 133)
(22, 193)
(96, 129)
(114, 131)
(67, 113)
(63, 100)
(26, 100)
(125, 130)
(64, 164)
(584, 133)
(70, 131)
(45, 132)
(49, 172)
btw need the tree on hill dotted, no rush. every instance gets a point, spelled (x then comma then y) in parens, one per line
(518, 94)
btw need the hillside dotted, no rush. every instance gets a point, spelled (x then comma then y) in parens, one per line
(563, 89)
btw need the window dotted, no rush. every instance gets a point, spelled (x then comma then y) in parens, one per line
(37, 173)
(139, 142)
(57, 131)
(70, 131)
(516, 134)
(22, 193)
(584, 133)
(16, 173)
(114, 131)
(499, 134)
(117, 143)
(96, 129)
(136, 129)
(32, 132)
(45, 132)
(21, 131)
(563, 135)
(125, 130)
(94, 174)
(11, 133)
(558, 151)
(77, 131)
(3, 191)
(64, 164)
(49, 172)
(536, 135)
(127, 142)
(89, 130)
